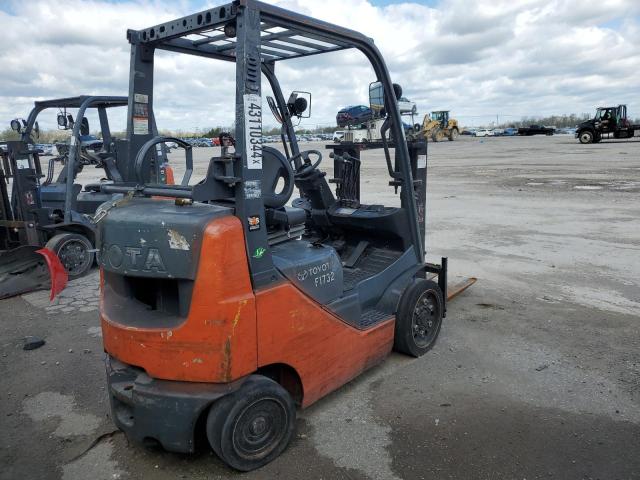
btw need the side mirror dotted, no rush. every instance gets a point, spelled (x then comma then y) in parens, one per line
(62, 121)
(376, 98)
(36, 129)
(84, 126)
(298, 104)
(15, 125)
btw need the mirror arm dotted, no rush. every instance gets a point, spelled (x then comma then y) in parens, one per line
(387, 156)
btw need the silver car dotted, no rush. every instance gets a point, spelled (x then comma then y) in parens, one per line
(407, 106)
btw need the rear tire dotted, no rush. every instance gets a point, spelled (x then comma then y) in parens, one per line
(252, 426)
(419, 318)
(586, 137)
(74, 253)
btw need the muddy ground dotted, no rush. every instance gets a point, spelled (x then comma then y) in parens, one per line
(536, 373)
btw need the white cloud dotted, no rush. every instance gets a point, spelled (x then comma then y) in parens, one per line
(527, 57)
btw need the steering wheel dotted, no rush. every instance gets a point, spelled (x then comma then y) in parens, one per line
(307, 167)
(140, 163)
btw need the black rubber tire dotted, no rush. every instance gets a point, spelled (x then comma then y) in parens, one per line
(260, 403)
(421, 302)
(453, 135)
(586, 137)
(73, 251)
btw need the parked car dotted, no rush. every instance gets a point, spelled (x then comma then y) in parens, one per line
(468, 132)
(509, 132)
(484, 132)
(407, 106)
(91, 142)
(45, 148)
(535, 130)
(353, 115)
(409, 129)
(565, 131)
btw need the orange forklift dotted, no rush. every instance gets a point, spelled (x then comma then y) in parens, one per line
(224, 304)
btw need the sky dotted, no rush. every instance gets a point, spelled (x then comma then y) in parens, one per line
(484, 60)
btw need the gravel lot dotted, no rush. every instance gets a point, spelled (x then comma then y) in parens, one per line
(536, 373)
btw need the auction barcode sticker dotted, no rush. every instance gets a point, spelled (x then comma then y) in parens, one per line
(253, 130)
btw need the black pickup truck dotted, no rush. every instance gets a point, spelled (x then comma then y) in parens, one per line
(535, 130)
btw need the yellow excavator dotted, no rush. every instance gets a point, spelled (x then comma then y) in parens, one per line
(437, 126)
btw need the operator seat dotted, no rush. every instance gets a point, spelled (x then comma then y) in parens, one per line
(276, 168)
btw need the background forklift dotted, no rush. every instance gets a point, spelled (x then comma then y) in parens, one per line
(221, 305)
(37, 211)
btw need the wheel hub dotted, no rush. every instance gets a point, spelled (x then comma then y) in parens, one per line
(73, 256)
(425, 319)
(259, 429)
(258, 426)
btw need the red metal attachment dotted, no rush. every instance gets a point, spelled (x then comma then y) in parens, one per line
(57, 272)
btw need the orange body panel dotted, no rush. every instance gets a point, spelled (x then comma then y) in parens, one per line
(169, 173)
(230, 332)
(217, 341)
(325, 351)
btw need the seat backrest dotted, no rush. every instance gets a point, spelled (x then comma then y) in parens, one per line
(274, 168)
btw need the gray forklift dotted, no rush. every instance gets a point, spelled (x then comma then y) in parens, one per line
(224, 304)
(40, 213)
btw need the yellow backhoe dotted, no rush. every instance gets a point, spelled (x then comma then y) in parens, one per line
(437, 126)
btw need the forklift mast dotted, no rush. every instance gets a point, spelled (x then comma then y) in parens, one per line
(256, 36)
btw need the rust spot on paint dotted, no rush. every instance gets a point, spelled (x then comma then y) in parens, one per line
(236, 319)
(226, 360)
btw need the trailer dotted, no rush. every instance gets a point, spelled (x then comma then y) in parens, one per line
(370, 133)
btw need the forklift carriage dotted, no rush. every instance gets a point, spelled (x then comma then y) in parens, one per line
(223, 306)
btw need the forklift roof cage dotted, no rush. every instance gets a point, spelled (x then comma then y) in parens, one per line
(82, 103)
(256, 35)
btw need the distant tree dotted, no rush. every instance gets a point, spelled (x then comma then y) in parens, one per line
(8, 134)
(560, 121)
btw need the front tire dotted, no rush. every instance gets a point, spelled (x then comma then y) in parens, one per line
(74, 252)
(252, 426)
(438, 135)
(419, 318)
(453, 135)
(586, 137)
